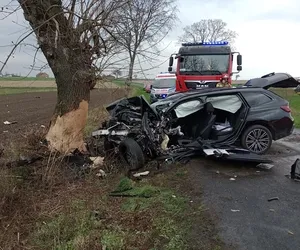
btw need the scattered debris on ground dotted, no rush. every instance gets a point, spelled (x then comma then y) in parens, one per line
(141, 174)
(273, 199)
(295, 170)
(9, 123)
(265, 166)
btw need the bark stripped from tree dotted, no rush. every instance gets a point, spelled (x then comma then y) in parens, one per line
(141, 27)
(208, 30)
(70, 36)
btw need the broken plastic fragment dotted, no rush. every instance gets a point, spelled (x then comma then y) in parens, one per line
(235, 210)
(97, 161)
(164, 144)
(213, 151)
(290, 232)
(101, 173)
(9, 123)
(265, 166)
(232, 179)
(295, 168)
(273, 199)
(141, 174)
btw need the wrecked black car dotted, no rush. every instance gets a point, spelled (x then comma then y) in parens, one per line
(233, 123)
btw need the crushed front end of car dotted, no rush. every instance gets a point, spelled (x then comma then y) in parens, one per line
(134, 131)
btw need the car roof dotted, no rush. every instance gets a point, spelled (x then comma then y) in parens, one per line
(214, 90)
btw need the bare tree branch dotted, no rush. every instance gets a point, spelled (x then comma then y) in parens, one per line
(143, 25)
(208, 30)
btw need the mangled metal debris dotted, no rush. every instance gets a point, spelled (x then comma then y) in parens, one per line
(170, 131)
(295, 170)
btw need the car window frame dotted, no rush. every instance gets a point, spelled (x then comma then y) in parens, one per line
(256, 93)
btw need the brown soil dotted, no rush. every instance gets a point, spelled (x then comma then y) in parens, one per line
(33, 110)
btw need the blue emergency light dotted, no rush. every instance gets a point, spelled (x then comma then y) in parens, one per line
(205, 43)
(164, 96)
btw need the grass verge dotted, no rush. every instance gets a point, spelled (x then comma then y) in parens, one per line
(94, 221)
(135, 88)
(51, 204)
(16, 90)
(294, 101)
(57, 209)
(25, 79)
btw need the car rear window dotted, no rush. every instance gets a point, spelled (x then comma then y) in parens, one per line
(256, 99)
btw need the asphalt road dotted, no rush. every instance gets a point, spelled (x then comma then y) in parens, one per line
(245, 217)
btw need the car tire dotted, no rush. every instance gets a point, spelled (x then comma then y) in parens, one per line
(257, 139)
(131, 154)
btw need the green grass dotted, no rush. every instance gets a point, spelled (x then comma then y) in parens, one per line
(294, 101)
(17, 90)
(140, 91)
(162, 216)
(26, 79)
(121, 83)
(137, 88)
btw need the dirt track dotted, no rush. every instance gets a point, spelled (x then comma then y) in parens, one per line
(46, 84)
(31, 110)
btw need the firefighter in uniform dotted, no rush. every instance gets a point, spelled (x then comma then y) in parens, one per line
(224, 82)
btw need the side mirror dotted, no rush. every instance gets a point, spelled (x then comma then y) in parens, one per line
(171, 61)
(170, 69)
(239, 68)
(239, 60)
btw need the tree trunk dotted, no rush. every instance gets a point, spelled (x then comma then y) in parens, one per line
(70, 60)
(131, 65)
(66, 131)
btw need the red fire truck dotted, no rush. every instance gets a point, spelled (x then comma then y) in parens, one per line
(202, 65)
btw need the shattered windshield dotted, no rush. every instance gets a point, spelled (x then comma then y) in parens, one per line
(164, 83)
(204, 64)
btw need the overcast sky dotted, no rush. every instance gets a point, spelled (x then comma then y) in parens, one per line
(268, 35)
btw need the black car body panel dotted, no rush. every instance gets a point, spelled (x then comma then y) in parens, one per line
(274, 80)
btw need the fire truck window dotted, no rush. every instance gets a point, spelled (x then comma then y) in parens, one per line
(205, 63)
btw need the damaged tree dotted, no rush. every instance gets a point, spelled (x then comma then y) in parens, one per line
(71, 35)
